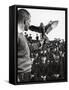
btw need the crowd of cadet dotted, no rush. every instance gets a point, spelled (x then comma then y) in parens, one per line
(48, 59)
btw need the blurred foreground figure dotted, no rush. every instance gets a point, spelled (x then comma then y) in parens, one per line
(24, 60)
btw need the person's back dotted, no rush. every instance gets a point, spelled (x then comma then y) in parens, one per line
(23, 50)
(24, 60)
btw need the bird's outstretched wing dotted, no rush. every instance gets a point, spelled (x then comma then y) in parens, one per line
(50, 26)
(35, 28)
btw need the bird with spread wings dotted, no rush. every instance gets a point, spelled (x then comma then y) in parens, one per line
(44, 29)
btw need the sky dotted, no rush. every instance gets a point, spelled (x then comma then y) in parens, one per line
(41, 15)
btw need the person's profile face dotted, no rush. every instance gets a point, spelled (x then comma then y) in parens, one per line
(27, 24)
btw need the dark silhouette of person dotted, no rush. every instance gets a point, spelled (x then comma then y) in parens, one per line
(37, 37)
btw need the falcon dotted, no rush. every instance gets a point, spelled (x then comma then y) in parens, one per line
(44, 29)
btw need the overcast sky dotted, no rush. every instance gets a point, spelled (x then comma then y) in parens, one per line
(41, 15)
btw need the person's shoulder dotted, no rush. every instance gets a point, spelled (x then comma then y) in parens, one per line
(20, 35)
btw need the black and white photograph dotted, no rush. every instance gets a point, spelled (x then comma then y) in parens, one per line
(41, 45)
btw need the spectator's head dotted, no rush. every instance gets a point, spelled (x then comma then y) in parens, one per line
(36, 34)
(48, 49)
(25, 33)
(63, 55)
(57, 48)
(60, 52)
(62, 40)
(41, 24)
(43, 59)
(36, 54)
(45, 51)
(54, 50)
(41, 51)
(23, 19)
(30, 34)
(48, 61)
